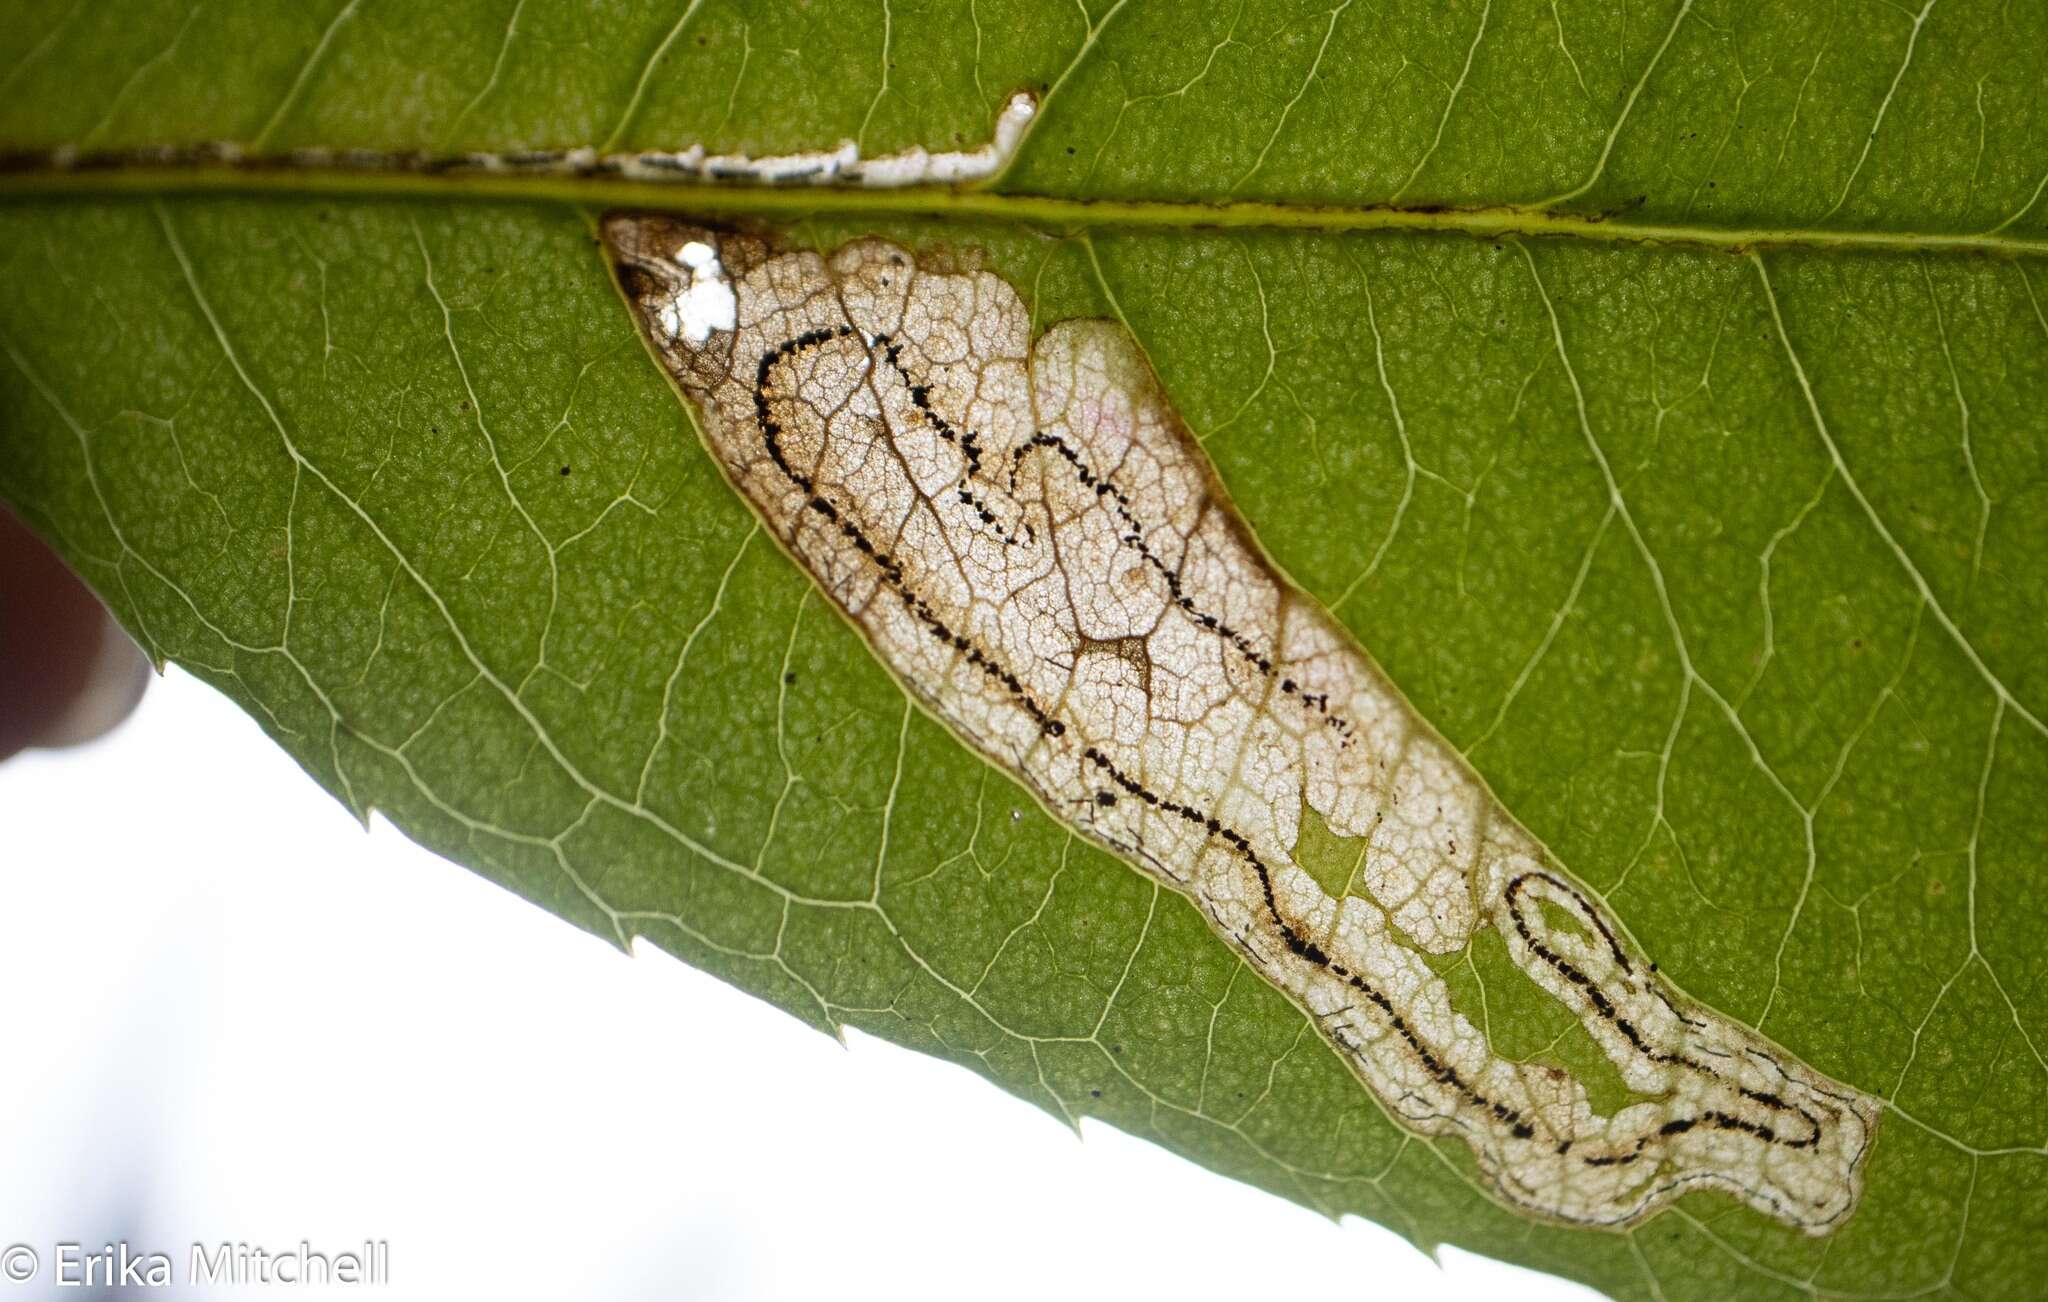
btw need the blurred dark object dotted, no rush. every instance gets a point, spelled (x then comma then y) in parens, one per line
(68, 672)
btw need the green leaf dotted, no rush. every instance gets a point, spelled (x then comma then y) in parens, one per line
(1676, 443)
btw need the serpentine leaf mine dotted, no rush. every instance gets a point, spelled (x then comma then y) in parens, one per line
(842, 165)
(1031, 542)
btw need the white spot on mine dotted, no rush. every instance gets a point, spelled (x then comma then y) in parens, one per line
(707, 303)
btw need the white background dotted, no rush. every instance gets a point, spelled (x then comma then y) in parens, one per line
(229, 1014)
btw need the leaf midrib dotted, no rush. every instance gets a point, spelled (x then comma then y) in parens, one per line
(42, 179)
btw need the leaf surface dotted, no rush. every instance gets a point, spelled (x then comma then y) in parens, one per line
(1716, 556)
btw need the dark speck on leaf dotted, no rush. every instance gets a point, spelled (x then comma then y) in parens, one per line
(789, 678)
(563, 471)
(1094, 1094)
